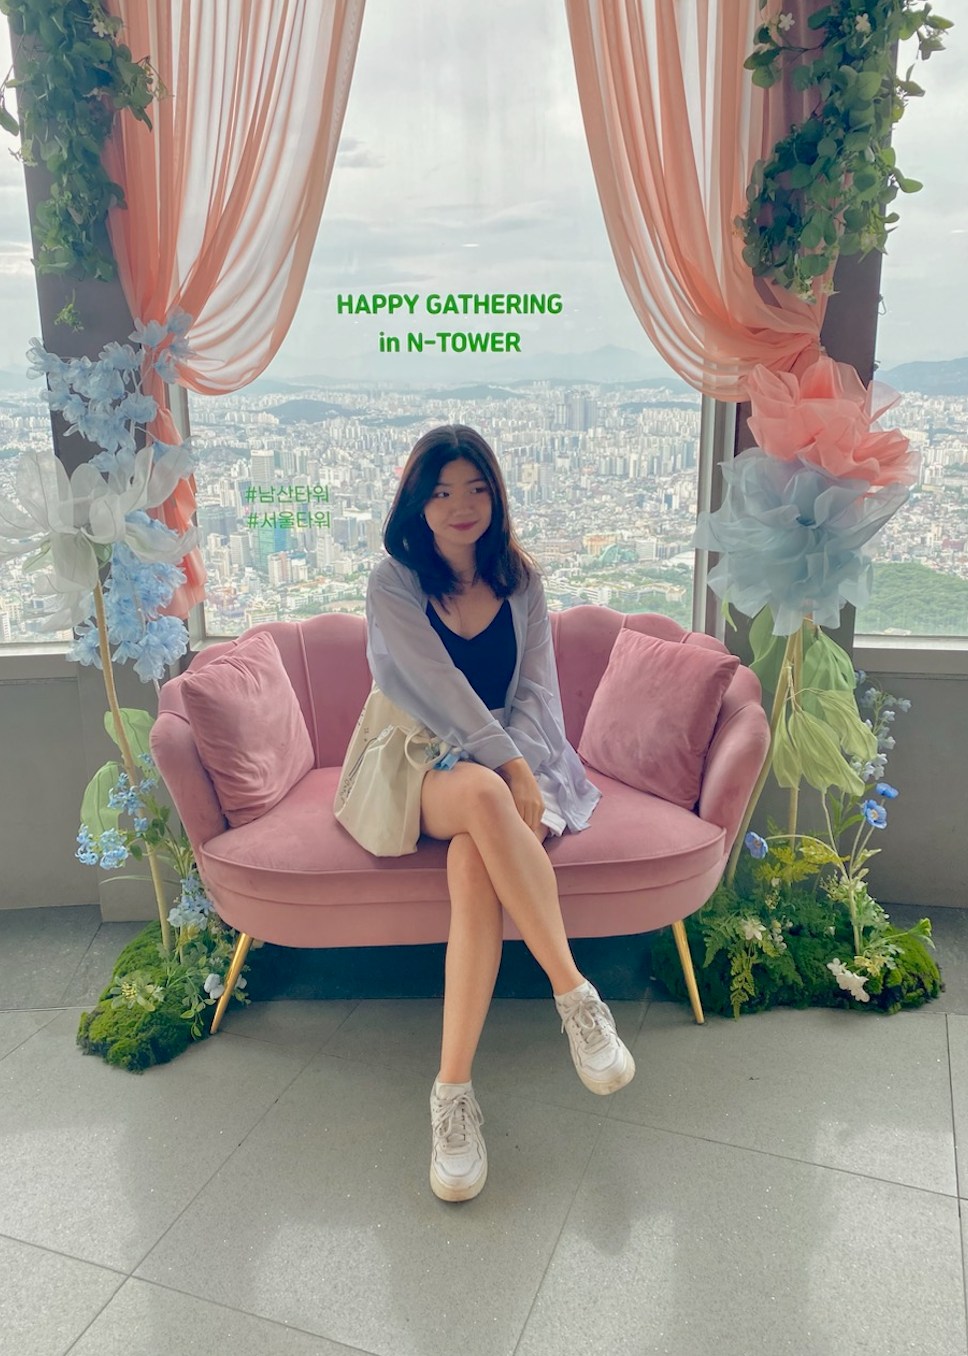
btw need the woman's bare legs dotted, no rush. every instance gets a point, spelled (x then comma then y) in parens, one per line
(473, 957)
(509, 867)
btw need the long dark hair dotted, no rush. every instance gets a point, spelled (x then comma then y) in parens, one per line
(501, 561)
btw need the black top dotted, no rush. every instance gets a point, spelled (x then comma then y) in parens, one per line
(487, 659)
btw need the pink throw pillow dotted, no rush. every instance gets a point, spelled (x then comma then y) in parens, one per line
(248, 727)
(653, 716)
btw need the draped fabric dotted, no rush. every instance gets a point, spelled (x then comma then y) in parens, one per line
(225, 194)
(674, 127)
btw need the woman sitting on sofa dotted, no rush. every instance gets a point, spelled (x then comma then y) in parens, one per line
(459, 637)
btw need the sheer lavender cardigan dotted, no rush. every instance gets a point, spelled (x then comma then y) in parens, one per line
(410, 664)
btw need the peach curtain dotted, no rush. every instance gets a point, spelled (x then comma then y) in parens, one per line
(674, 127)
(225, 194)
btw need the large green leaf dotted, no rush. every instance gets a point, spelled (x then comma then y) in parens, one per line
(95, 811)
(787, 765)
(768, 650)
(839, 711)
(137, 727)
(827, 665)
(819, 754)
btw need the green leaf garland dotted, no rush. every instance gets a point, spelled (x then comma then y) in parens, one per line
(826, 188)
(74, 78)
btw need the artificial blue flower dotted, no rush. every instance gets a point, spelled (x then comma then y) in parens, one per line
(888, 715)
(150, 335)
(179, 322)
(86, 852)
(860, 676)
(122, 357)
(113, 849)
(903, 704)
(140, 824)
(790, 537)
(875, 814)
(165, 640)
(166, 367)
(138, 408)
(85, 648)
(44, 364)
(99, 382)
(756, 846)
(869, 697)
(885, 742)
(883, 789)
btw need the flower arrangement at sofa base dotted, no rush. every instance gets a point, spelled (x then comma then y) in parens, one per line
(795, 923)
(796, 926)
(161, 997)
(109, 570)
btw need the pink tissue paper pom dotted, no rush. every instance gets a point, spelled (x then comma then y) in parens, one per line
(827, 417)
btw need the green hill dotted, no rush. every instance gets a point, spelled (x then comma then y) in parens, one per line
(911, 597)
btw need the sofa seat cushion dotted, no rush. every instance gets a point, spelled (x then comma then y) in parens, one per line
(298, 854)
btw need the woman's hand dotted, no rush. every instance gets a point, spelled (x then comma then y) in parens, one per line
(527, 794)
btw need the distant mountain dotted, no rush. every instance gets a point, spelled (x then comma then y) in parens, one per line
(479, 392)
(269, 386)
(310, 411)
(16, 381)
(941, 378)
(609, 364)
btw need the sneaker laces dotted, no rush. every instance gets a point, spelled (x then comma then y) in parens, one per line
(455, 1123)
(592, 1024)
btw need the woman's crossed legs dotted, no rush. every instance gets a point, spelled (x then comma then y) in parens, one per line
(494, 861)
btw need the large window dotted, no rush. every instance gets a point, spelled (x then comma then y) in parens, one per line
(24, 420)
(921, 575)
(463, 172)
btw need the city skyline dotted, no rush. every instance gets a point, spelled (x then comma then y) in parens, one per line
(602, 481)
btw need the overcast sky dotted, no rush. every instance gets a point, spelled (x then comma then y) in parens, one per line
(464, 168)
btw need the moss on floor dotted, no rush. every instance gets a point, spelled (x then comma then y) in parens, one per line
(132, 1038)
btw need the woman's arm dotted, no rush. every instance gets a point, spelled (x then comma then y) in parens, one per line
(410, 664)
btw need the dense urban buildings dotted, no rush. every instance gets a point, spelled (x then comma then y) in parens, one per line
(293, 486)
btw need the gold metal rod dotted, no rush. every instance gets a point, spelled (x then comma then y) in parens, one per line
(685, 958)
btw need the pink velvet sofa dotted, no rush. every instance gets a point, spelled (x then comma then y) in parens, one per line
(294, 877)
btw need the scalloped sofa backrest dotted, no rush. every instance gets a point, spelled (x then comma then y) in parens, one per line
(325, 658)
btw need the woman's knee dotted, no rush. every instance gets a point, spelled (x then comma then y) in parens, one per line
(458, 801)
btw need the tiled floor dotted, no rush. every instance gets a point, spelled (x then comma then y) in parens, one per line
(789, 1183)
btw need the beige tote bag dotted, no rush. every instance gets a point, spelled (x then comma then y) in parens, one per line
(378, 799)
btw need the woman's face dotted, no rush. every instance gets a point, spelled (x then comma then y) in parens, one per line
(458, 512)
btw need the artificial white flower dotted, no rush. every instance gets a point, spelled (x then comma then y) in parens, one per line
(784, 22)
(65, 518)
(846, 979)
(214, 986)
(862, 24)
(753, 931)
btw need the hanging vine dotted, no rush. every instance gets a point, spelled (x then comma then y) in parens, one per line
(75, 76)
(826, 188)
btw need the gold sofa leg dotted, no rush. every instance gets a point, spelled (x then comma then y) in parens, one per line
(682, 945)
(235, 969)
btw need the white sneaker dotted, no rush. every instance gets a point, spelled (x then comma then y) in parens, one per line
(603, 1062)
(458, 1163)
